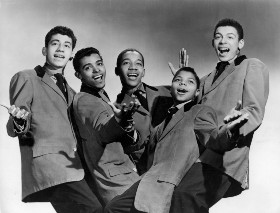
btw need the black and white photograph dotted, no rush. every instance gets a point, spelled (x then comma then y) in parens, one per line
(131, 106)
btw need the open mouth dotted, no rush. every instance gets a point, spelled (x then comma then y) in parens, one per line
(98, 77)
(59, 56)
(132, 76)
(181, 91)
(223, 50)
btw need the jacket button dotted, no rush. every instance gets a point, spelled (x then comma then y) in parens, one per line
(75, 149)
(134, 169)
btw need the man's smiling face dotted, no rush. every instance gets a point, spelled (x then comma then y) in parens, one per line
(226, 43)
(58, 51)
(131, 70)
(92, 71)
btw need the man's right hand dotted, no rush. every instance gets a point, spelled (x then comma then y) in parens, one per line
(124, 113)
(18, 113)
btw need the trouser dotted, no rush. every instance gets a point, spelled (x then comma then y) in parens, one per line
(71, 197)
(201, 188)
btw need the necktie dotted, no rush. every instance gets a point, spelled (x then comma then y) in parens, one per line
(219, 69)
(142, 99)
(171, 112)
(60, 83)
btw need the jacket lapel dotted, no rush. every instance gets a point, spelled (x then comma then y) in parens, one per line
(47, 80)
(178, 116)
(208, 86)
(70, 93)
(151, 95)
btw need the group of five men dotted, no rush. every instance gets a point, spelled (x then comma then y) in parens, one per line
(178, 148)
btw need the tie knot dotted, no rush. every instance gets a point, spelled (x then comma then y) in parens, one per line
(59, 77)
(172, 110)
(222, 65)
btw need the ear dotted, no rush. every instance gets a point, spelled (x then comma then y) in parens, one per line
(197, 93)
(241, 44)
(78, 75)
(44, 51)
(212, 42)
(143, 74)
(72, 56)
(116, 71)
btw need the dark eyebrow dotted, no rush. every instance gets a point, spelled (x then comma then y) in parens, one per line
(86, 65)
(54, 40)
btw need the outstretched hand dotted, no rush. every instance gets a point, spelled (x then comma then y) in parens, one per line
(234, 113)
(124, 113)
(183, 61)
(235, 119)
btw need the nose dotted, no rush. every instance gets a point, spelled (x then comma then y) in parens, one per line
(132, 66)
(95, 69)
(223, 40)
(183, 83)
(60, 48)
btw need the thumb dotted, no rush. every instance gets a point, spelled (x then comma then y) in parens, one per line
(238, 105)
(115, 109)
(173, 70)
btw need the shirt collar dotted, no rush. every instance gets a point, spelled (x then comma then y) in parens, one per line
(140, 87)
(91, 90)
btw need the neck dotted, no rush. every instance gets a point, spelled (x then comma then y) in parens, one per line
(52, 70)
(89, 87)
(129, 90)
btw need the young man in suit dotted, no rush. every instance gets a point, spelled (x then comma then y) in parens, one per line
(154, 101)
(175, 145)
(100, 132)
(235, 78)
(40, 117)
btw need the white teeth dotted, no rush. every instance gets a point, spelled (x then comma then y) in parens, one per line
(97, 77)
(222, 50)
(132, 75)
(59, 56)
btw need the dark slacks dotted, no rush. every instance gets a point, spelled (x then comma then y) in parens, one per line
(71, 197)
(201, 188)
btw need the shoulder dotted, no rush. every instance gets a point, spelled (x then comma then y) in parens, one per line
(162, 89)
(200, 109)
(28, 73)
(23, 76)
(86, 98)
(254, 66)
(89, 103)
(253, 62)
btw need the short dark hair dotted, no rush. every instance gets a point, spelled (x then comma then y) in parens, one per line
(232, 23)
(82, 53)
(63, 31)
(119, 59)
(191, 70)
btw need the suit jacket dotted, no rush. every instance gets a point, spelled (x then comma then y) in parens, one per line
(159, 101)
(48, 143)
(177, 148)
(109, 166)
(246, 80)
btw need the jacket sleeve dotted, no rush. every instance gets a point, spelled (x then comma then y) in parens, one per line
(21, 95)
(255, 94)
(208, 134)
(96, 118)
